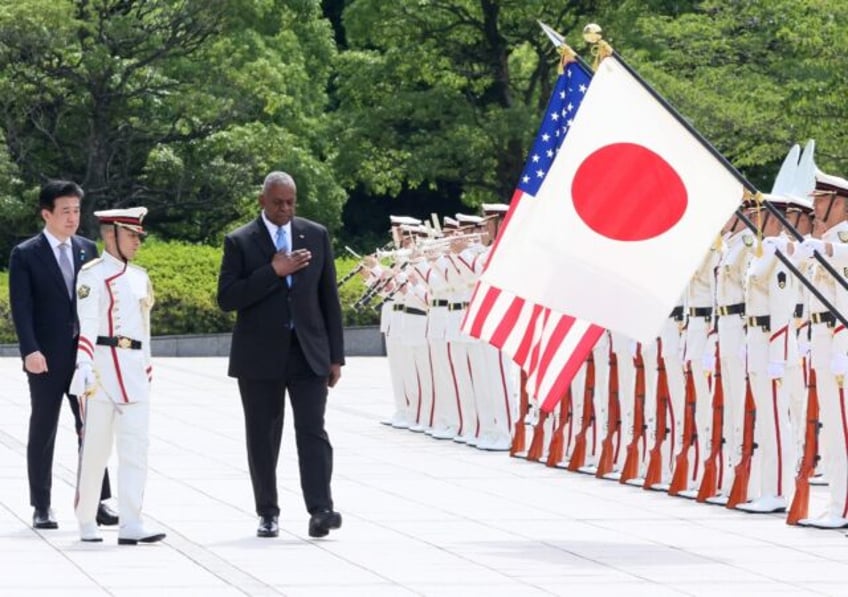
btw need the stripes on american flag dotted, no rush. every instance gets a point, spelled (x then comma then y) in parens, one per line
(549, 346)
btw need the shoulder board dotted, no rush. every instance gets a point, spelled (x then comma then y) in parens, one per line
(92, 263)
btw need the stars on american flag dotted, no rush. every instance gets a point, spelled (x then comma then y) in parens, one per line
(570, 88)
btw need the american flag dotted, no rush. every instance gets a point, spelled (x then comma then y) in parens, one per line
(548, 346)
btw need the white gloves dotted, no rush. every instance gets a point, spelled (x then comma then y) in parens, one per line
(770, 246)
(803, 347)
(708, 361)
(83, 380)
(804, 250)
(776, 369)
(839, 363)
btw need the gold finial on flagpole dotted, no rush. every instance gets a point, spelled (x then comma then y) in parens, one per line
(594, 36)
(566, 56)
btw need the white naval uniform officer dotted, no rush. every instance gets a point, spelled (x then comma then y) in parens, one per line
(114, 375)
(772, 359)
(829, 343)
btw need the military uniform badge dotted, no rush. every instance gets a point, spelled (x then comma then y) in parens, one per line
(748, 240)
(843, 236)
(83, 291)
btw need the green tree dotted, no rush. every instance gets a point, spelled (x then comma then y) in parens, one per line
(180, 105)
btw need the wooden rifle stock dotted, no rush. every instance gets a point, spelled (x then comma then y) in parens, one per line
(556, 449)
(537, 444)
(800, 506)
(608, 450)
(519, 437)
(630, 470)
(712, 466)
(587, 417)
(742, 472)
(680, 476)
(655, 460)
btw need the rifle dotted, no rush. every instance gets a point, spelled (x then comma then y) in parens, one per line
(680, 476)
(518, 438)
(534, 452)
(742, 472)
(587, 417)
(653, 476)
(608, 452)
(799, 508)
(630, 470)
(556, 448)
(713, 469)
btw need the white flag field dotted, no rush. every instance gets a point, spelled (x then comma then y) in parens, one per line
(631, 204)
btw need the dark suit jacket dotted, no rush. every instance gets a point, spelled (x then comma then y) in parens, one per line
(265, 304)
(45, 317)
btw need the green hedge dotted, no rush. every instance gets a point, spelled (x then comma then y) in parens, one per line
(185, 279)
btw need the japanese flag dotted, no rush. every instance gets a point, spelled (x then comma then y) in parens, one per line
(631, 204)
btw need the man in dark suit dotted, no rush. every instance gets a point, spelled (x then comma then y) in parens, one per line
(278, 273)
(42, 275)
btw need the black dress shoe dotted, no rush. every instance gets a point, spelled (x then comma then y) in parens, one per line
(321, 523)
(152, 538)
(106, 516)
(43, 519)
(268, 527)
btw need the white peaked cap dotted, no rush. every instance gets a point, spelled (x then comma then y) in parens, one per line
(492, 208)
(129, 217)
(450, 223)
(408, 220)
(469, 219)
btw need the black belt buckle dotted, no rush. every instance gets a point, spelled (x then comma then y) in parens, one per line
(457, 306)
(439, 303)
(760, 321)
(734, 309)
(824, 317)
(119, 342)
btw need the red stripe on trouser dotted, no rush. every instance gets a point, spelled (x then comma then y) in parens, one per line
(776, 415)
(455, 388)
(845, 437)
(505, 392)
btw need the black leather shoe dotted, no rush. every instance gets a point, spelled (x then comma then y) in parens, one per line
(321, 523)
(43, 519)
(106, 516)
(268, 527)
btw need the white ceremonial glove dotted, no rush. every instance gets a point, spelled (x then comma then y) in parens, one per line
(743, 352)
(83, 380)
(634, 348)
(769, 246)
(839, 363)
(776, 369)
(804, 250)
(708, 361)
(803, 347)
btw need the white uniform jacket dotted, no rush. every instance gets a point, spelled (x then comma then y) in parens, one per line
(114, 301)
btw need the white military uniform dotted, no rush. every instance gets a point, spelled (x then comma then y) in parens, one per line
(771, 294)
(114, 299)
(730, 310)
(829, 346)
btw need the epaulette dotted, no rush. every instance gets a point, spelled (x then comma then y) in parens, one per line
(92, 263)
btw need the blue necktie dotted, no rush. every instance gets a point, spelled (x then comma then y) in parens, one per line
(282, 243)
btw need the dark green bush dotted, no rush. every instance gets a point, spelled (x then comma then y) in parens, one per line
(185, 279)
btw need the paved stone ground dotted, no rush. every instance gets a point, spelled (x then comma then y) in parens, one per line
(421, 516)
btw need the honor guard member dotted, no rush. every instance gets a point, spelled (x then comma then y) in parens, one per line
(462, 280)
(730, 313)
(114, 372)
(390, 323)
(700, 353)
(772, 359)
(829, 345)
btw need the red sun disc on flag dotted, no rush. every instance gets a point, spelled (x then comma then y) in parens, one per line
(626, 192)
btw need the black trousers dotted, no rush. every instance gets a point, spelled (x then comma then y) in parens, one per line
(263, 401)
(46, 392)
